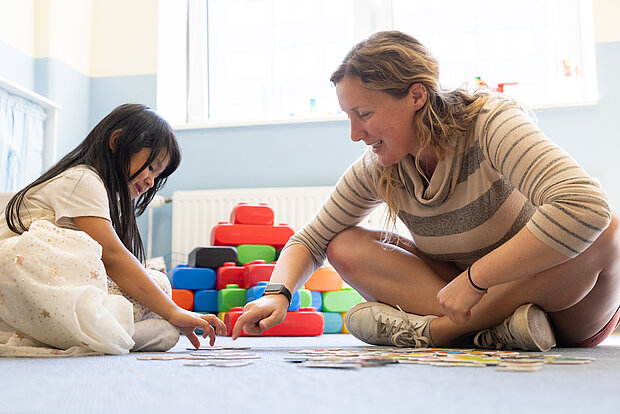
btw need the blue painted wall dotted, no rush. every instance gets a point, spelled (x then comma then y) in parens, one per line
(305, 154)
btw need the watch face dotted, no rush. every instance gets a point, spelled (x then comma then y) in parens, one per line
(274, 288)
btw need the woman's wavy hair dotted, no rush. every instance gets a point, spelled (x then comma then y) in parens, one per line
(140, 127)
(392, 61)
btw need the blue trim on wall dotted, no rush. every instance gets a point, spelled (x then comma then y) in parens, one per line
(16, 67)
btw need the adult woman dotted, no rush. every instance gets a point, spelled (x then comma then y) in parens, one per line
(501, 218)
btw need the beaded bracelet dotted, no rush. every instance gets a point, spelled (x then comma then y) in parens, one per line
(473, 284)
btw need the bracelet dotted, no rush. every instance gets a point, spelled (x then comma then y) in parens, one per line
(473, 284)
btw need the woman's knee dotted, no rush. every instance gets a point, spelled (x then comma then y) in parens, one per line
(344, 250)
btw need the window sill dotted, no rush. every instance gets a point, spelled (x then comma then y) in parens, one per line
(338, 117)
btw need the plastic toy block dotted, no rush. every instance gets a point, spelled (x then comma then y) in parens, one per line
(192, 278)
(244, 213)
(306, 298)
(317, 300)
(256, 292)
(183, 298)
(228, 274)
(230, 297)
(324, 279)
(341, 301)
(211, 256)
(226, 234)
(305, 322)
(221, 315)
(205, 300)
(256, 271)
(247, 253)
(344, 326)
(333, 322)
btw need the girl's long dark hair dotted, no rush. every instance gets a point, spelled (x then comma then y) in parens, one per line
(140, 128)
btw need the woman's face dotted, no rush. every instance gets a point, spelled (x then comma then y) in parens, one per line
(383, 122)
(145, 180)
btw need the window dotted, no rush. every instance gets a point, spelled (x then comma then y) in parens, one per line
(232, 61)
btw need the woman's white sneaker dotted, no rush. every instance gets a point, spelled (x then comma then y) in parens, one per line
(380, 324)
(528, 328)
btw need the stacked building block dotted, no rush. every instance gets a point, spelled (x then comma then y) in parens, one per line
(223, 277)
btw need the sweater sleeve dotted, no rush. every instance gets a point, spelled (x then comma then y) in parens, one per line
(572, 210)
(352, 199)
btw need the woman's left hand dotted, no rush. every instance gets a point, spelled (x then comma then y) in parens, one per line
(457, 298)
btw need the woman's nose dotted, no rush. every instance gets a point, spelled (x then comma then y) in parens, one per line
(357, 133)
(149, 181)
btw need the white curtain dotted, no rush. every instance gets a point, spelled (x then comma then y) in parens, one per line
(21, 141)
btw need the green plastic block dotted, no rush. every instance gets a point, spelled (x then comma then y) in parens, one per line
(250, 252)
(306, 298)
(341, 300)
(230, 297)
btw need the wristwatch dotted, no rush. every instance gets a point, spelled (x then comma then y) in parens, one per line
(278, 289)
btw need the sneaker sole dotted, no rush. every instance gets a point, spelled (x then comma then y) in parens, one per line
(533, 328)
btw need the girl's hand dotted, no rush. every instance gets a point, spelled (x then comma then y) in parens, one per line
(458, 297)
(261, 314)
(188, 321)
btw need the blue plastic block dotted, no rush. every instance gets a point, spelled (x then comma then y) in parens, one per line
(192, 278)
(256, 292)
(333, 322)
(205, 300)
(317, 300)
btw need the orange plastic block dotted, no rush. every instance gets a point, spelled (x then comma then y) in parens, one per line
(226, 234)
(344, 327)
(305, 322)
(244, 213)
(256, 271)
(183, 298)
(229, 274)
(324, 279)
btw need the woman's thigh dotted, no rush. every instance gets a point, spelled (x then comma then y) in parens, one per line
(600, 263)
(393, 272)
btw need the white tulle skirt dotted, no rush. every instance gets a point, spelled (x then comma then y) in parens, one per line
(54, 297)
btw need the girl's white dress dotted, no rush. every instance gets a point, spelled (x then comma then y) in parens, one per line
(55, 296)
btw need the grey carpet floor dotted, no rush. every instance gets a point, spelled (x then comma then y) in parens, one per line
(123, 384)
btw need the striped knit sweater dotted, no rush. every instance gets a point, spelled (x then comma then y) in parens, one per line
(509, 176)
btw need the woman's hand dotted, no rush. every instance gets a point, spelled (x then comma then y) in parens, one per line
(458, 297)
(261, 314)
(188, 321)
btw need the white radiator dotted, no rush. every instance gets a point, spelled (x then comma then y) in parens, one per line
(194, 213)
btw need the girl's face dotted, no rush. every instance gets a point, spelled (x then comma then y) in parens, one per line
(383, 122)
(145, 180)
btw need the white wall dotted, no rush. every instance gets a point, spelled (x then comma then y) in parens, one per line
(606, 15)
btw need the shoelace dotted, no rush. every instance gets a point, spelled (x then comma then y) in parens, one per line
(408, 335)
(497, 337)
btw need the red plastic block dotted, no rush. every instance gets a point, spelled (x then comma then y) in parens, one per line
(256, 271)
(244, 213)
(229, 274)
(226, 234)
(324, 279)
(305, 322)
(183, 298)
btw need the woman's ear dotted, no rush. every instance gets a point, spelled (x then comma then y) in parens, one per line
(417, 92)
(114, 136)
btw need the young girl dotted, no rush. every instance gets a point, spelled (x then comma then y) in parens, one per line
(70, 238)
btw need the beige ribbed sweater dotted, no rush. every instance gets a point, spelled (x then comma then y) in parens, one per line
(509, 176)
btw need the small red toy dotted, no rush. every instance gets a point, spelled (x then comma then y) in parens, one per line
(256, 271)
(229, 274)
(305, 322)
(244, 213)
(226, 234)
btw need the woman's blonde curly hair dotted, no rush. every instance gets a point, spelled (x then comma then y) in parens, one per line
(392, 61)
